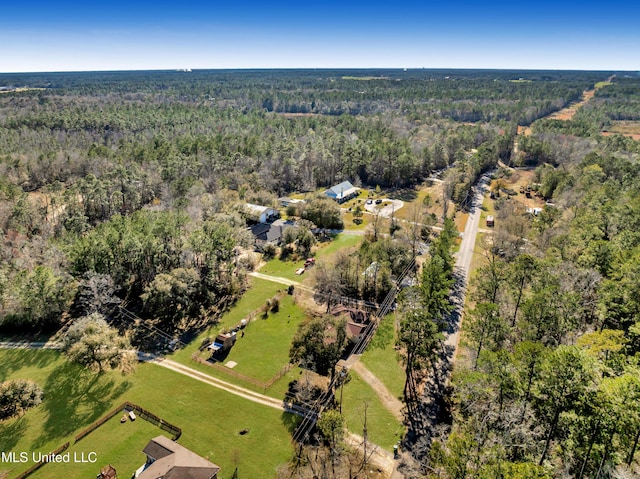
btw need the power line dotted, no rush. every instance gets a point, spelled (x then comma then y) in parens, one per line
(315, 411)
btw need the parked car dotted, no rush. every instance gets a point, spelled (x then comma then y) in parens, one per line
(369, 202)
(378, 201)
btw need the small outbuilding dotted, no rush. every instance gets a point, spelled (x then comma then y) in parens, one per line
(107, 472)
(223, 342)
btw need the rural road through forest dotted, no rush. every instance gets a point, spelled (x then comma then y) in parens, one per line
(464, 258)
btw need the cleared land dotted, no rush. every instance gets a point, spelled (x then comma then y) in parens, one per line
(626, 128)
(210, 419)
(382, 427)
(264, 348)
(568, 112)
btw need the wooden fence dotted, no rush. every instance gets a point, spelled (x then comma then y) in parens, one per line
(260, 385)
(100, 422)
(142, 413)
(156, 420)
(38, 465)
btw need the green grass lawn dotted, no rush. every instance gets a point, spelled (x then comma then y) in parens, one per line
(287, 269)
(210, 418)
(383, 429)
(118, 444)
(339, 242)
(264, 349)
(348, 218)
(284, 269)
(252, 299)
(363, 195)
(381, 357)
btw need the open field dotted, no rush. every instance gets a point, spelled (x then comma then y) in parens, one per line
(22, 90)
(415, 196)
(251, 300)
(341, 242)
(626, 128)
(348, 218)
(210, 419)
(264, 348)
(284, 269)
(602, 84)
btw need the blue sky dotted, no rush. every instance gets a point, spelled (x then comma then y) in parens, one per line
(121, 35)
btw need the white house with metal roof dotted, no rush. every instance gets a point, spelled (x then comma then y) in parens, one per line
(342, 192)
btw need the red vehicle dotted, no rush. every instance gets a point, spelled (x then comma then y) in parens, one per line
(309, 262)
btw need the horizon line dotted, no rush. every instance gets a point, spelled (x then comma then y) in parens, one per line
(324, 68)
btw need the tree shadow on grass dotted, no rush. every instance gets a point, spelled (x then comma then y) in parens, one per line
(11, 431)
(405, 194)
(76, 397)
(15, 359)
(290, 421)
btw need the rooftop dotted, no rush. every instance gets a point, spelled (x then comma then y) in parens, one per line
(173, 461)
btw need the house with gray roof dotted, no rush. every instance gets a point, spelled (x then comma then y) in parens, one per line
(342, 192)
(167, 459)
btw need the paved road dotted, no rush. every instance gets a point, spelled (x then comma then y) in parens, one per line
(464, 258)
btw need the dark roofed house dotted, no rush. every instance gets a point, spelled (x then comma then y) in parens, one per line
(167, 459)
(342, 192)
(357, 321)
(264, 233)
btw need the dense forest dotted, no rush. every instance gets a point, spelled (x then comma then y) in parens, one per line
(123, 189)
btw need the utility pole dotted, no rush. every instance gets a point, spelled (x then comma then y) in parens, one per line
(364, 435)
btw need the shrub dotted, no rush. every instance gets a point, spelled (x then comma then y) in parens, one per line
(275, 304)
(269, 251)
